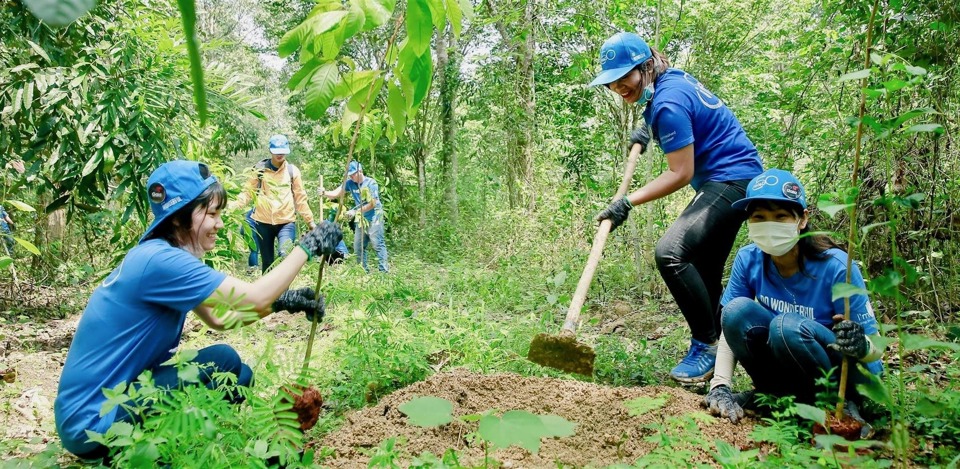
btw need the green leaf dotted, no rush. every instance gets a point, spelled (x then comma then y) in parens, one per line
(92, 164)
(895, 84)
(437, 13)
(845, 290)
(428, 411)
(874, 389)
(188, 16)
(27, 245)
(455, 15)
(419, 28)
(22, 67)
(557, 426)
(868, 228)
(919, 71)
(188, 373)
(325, 21)
(812, 413)
(377, 12)
(291, 41)
(859, 74)
(643, 405)
(59, 13)
(825, 204)
(925, 128)
(918, 342)
(466, 7)
(421, 75)
(353, 23)
(20, 205)
(5, 262)
(320, 89)
(354, 82)
(397, 107)
(302, 77)
(39, 50)
(517, 427)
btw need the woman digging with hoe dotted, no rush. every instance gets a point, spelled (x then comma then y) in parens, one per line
(779, 317)
(134, 319)
(705, 147)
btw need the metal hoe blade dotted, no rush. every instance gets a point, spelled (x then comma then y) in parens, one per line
(562, 352)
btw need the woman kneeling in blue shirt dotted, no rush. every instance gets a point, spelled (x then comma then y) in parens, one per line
(779, 318)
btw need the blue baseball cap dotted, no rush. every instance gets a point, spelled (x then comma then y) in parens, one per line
(353, 167)
(279, 145)
(173, 185)
(774, 185)
(620, 54)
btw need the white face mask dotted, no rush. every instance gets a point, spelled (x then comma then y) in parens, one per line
(774, 237)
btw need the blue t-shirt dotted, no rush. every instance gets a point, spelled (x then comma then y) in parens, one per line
(355, 189)
(682, 112)
(808, 293)
(133, 322)
(4, 227)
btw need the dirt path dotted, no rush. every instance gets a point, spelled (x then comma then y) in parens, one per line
(605, 434)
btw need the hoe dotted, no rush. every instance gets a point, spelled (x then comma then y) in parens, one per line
(563, 351)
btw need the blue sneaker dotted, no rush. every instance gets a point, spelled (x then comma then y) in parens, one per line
(697, 366)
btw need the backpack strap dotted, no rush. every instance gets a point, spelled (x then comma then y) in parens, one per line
(261, 166)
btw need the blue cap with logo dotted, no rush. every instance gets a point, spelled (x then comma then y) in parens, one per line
(353, 167)
(620, 54)
(775, 185)
(279, 145)
(173, 185)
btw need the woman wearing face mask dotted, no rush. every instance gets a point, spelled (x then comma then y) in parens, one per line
(706, 147)
(779, 319)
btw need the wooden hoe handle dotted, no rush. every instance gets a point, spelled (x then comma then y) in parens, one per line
(599, 240)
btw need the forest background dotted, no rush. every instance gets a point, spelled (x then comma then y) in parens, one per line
(491, 153)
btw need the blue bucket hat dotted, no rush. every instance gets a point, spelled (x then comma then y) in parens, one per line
(620, 54)
(353, 167)
(173, 185)
(279, 145)
(774, 185)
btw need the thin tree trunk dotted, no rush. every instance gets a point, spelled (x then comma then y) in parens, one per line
(449, 69)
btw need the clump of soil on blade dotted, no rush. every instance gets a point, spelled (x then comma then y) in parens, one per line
(605, 433)
(846, 426)
(307, 403)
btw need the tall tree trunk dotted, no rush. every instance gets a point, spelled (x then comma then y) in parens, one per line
(449, 68)
(520, 41)
(420, 158)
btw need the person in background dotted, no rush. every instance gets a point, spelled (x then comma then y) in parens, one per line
(341, 251)
(7, 227)
(278, 195)
(253, 242)
(780, 320)
(706, 147)
(134, 319)
(366, 198)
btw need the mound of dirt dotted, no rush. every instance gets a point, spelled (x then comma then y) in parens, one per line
(606, 433)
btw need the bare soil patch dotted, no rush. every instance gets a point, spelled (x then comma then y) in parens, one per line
(605, 434)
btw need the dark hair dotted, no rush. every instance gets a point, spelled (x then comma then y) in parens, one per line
(812, 247)
(181, 221)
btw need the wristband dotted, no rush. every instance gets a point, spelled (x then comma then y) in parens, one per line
(307, 251)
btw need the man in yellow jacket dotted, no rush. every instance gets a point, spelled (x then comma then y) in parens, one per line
(278, 196)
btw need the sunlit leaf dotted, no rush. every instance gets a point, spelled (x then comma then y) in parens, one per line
(925, 128)
(377, 12)
(825, 204)
(642, 405)
(455, 15)
(916, 70)
(845, 290)
(302, 77)
(438, 13)
(320, 89)
(27, 245)
(522, 428)
(428, 411)
(868, 228)
(397, 107)
(5, 262)
(59, 12)
(557, 426)
(20, 205)
(859, 74)
(419, 27)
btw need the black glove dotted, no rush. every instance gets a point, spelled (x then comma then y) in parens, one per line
(301, 300)
(323, 239)
(640, 135)
(617, 212)
(720, 401)
(851, 340)
(12, 227)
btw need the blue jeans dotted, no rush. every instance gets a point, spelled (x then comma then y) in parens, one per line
(692, 253)
(284, 235)
(373, 234)
(212, 359)
(784, 354)
(252, 259)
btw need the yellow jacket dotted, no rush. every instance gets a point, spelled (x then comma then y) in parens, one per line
(279, 195)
